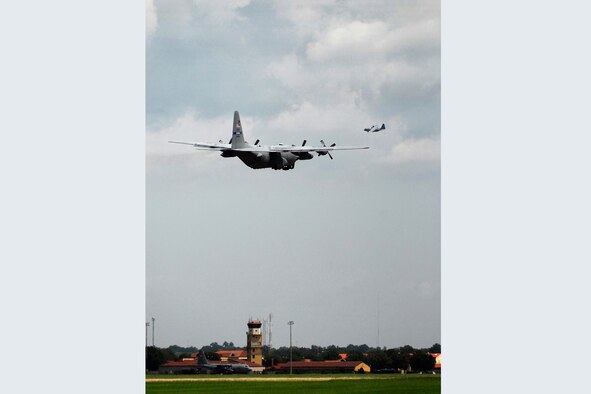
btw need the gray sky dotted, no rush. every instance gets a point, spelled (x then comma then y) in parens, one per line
(319, 244)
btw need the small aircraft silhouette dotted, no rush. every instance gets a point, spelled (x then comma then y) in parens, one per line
(375, 128)
(277, 157)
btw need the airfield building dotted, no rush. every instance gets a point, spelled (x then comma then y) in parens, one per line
(254, 342)
(309, 366)
(237, 354)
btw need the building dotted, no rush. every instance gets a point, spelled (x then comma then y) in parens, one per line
(437, 357)
(254, 342)
(308, 366)
(236, 354)
(186, 366)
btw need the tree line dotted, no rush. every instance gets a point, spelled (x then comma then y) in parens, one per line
(400, 358)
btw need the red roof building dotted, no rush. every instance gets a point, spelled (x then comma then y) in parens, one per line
(322, 367)
(237, 354)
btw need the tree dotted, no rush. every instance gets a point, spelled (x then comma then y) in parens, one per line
(407, 349)
(274, 357)
(377, 359)
(178, 350)
(436, 348)
(156, 357)
(228, 346)
(422, 361)
(355, 355)
(398, 360)
(331, 353)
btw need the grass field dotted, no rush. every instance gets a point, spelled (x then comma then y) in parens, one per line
(403, 384)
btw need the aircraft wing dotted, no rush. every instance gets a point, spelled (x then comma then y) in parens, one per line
(204, 145)
(253, 149)
(286, 148)
(271, 148)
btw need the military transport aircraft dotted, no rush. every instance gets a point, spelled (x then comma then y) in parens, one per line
(375, 128)
(205, 366)
(277, 157)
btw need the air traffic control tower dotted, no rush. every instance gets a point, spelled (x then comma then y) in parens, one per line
(254, 342)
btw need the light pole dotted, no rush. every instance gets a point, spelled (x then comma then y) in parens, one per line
(290, 323)
(153, 320)
(147, 325)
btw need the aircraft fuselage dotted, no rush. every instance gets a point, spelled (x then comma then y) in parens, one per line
(275, 160)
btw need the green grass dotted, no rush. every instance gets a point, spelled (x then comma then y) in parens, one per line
(403, 384)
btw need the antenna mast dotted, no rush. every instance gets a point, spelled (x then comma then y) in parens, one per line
(378, 335)
(270, 333)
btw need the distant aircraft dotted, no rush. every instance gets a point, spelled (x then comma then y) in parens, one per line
(374, 128)
(277, 157)
(205, 366)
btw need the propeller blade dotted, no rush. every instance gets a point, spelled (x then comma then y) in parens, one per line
(229, 142)
(257, 142)
(326, 152)
(304, 143)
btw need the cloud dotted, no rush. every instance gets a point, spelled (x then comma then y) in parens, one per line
(190, 128)
(343, 121)
(378, 62)
(288, 70)
(341, 66)
(367, 41)
(151, 19)
(415, 150)
(306, 17)
(220, 12)
(359, 52)
(355, 40)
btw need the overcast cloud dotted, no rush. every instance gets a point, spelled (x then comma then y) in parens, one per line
(322, 243)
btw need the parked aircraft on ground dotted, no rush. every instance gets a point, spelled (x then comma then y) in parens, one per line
(206, 366)
(277, 157)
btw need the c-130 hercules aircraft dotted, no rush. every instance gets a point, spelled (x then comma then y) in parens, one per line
(277, 157)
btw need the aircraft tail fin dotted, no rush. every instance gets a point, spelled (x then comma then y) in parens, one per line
(383, 126)
(237, 136)
(201, 359)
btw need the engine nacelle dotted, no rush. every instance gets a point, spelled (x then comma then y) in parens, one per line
(228, 153)
(305, 156)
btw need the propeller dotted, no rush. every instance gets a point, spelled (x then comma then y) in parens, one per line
(304, 143)
(327, 152)
(257, 142)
